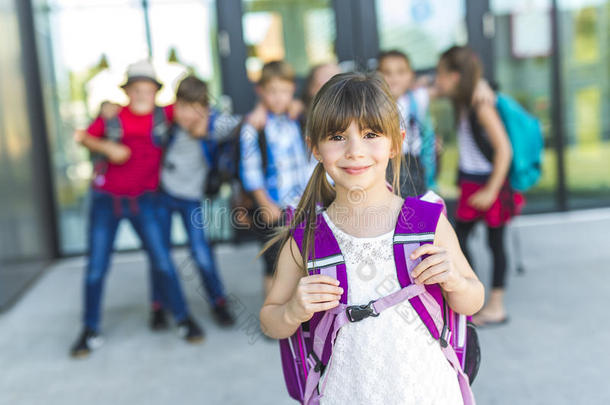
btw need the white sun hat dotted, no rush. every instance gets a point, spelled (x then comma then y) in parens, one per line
(141, 70)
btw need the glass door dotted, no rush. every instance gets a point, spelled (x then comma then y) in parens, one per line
(522, 51)
(423, 30)
(301, 32)
(584, 36)
(85, 47)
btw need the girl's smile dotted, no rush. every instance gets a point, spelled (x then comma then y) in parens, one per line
(356, 169)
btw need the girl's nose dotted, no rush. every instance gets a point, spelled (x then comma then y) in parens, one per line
(354, 147)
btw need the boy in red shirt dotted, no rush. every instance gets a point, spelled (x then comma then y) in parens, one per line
(125, 179)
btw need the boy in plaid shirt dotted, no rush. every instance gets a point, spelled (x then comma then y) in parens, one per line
(278, 180)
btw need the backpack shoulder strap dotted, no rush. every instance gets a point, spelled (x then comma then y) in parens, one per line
(328, 257)
(262, 145)
(208, 148)
(209, 142)
(213, 115)
(416, 226)
(161, 127)
(113, 130)
(328, 261)
(477, 134)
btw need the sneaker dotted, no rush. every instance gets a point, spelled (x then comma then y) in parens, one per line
(222, 316)
(88, 341)
(158, 320)
(190, 331)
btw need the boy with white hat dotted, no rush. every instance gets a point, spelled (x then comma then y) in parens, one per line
(125, 179)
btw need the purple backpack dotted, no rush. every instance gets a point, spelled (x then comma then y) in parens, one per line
(307, 352)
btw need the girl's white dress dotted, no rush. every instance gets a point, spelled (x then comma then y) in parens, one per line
(389, 359)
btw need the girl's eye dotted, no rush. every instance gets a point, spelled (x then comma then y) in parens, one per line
(335, 137)
(371, 135)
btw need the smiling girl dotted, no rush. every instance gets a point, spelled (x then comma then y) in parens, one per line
(353, 131)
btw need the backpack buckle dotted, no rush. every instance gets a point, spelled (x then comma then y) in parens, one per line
(317, 364)
(445, 336)
(356, 313)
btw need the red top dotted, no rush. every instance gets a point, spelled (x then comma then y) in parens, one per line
(141, 171)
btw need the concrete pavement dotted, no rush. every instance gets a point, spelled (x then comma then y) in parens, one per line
(554, 350)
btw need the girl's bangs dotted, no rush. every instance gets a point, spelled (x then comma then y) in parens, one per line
(358, 101)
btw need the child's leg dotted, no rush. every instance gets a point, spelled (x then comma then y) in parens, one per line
(494, 310)
(147, 226)
(163, 211)
(103, 224)
(495, 239)
(463, 230)
(194, 223)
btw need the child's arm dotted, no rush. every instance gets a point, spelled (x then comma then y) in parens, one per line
(293, 298)
(483, 93)
(109, 110)
(93, 137)
(270, 211)
(257, 117)
(252, 175)
(115, 152)
(447, 266)
(491, 123)
(224, 127)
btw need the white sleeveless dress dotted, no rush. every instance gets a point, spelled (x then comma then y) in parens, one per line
(389, 359)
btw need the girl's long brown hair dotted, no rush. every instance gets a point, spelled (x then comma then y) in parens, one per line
(347, 97)
(465, 61)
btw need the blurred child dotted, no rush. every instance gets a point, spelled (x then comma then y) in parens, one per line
(485, 192)
(354, 132)
(126, 177)
(318, 76)
(276, 176)
(413, 105)
(420, 146)
(186, 166)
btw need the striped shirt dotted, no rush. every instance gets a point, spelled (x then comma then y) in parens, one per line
(472, 160)
(288, 165)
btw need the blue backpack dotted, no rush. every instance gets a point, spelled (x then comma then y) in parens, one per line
(525, 135)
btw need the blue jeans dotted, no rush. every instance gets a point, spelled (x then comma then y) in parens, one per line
(106, 213)
(191, 213)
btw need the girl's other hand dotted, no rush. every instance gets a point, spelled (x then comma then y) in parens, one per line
(483, 199)
(313, 294)
(437, 268)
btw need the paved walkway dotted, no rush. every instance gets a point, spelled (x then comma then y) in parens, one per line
(554, 350)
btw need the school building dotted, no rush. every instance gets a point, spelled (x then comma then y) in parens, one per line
(60, 58)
